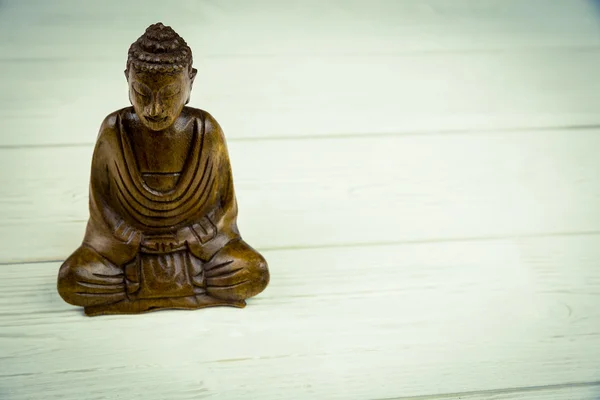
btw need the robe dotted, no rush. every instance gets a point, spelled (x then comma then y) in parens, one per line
(143, 243)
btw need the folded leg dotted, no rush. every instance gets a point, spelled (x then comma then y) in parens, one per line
(88, 279)
(236, 272)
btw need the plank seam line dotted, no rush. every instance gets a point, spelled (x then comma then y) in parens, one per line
(524, 130)
(569, 48)
(432, 241)
(525, 389)
(379, 244)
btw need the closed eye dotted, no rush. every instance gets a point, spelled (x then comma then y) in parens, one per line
(142, 90)
(140, 93)
(170, 90)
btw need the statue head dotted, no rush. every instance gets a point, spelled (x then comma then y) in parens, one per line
(160, 76)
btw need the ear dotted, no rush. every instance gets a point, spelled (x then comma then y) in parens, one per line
(193, 75)
(126, 74)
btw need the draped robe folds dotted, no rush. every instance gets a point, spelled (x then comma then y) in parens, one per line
(160, 239)
(120, 199)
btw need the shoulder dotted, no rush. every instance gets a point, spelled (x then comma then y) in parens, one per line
(108, 135)
(212, 134)
(111, 125)
(211, 126)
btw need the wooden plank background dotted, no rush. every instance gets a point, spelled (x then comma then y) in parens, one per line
(422, 177)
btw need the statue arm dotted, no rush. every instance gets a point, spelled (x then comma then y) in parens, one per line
(99, 195)
(215, 230)
(107, 231)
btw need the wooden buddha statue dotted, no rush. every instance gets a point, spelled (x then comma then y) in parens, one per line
(162, 230)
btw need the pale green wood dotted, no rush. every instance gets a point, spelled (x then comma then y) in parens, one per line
(576, 391)
(510, 319)
(72, 28)
(342, 192)
(357, 323)
(64, 101)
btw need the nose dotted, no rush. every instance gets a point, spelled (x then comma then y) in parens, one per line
(155, 108)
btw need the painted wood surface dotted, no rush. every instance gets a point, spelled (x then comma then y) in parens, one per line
(74, 29)
(579, 391)
(333, 68)
(361, 323)
(265, 97)
(333, 192)
(421, 175)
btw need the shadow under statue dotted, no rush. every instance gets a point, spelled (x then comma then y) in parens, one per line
(162, 231)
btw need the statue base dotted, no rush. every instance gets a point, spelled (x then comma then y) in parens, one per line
(148, 305)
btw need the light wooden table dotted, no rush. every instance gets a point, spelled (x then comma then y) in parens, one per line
(423, 177)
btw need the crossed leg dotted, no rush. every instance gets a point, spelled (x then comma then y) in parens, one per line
(236, 272)
(88, 279)
(233, 274)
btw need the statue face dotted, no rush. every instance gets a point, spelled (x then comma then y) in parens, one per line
(158, 98)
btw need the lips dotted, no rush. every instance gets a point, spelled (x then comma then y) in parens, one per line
(156, 119)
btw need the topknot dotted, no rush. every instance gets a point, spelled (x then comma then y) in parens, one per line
(160, 49)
